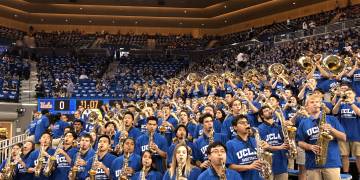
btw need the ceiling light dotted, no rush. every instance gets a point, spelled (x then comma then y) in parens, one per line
(180, 23)
(225, 21)
(113, 21)
(294, 3)
(225, 6)
(203, 24)
(185, 11)
(15, 15)
(66, 20)
(81, 8)
(90, 21)
(136, 22)
(42, 19)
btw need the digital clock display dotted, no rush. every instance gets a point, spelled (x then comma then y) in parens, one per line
(89, 104)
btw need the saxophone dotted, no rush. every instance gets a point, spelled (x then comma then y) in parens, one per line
(289, 133)
(143, 173)
(92, 171)
(75, 169)
(151, 140)
(123, 175)
(9, 169)
(211, 136)
(49, 167)
(122, 138)
(223, 171)
(264, 157)
(323, 141)
(179, 170)
(40, 161)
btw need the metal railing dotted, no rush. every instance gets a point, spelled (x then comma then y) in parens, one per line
(321, 30)
(7, 143)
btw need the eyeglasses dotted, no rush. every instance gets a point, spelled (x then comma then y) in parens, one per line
(243, 122)
(217, 151)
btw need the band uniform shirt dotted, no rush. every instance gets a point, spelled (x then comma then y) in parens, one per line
(199, 128)
(241, 152)
(152, 175)
(172, 147)
(32, 162)
(210, 174)
(272, 134)
(356, 82)
(41, 126)
(21, 171)
(100, 173)
(193, 175)
(142, 144)
(350, 121)
(309, 132)
(117, 165)
(62, 166)
(202, 143)
(58, 128)
(82, 173)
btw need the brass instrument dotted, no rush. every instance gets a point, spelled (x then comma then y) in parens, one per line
(333, 63)
(211, 136)
(192, 77)
(92, 171)
(144, 172)
(49, 167)
(306, 63)
(264, 156)
(276, 70)
(323, 141)
(289, 133)
(75, 169)
(228, 75)
(123, 136)
(151, 140)
(123, 175)
(40, 161)
(9, 168)
(249, 74)
(223, 171)
(210, 79)
(179, 170)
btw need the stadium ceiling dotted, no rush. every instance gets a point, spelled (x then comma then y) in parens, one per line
(145, 13)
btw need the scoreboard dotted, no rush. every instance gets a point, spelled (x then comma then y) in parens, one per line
(69, 106)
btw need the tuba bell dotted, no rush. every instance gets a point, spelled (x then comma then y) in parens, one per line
(276, 70)
(306, 63)
(192, 77)
(333, 63)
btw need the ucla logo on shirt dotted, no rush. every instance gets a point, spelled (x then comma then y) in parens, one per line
(118, 172)
(348, 113)
(201, 131)
(144, 147)
(356, 77)
(203, 149)
(273, 136)
(313, 133)
(245, 153)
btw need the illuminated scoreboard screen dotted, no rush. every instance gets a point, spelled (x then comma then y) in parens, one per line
(69, 106)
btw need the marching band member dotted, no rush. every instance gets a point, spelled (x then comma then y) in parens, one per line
(242, 152)
(131, 131)
(271, 133)
(348, 112)
(42, 155)
(78, 126)
(83, 155)
(226, 126)
(32, 126)
(147, 170)
(102, 160)
(308, 137)
(154, 142)
(110, 130)
(127, 164)
(168, 121)
(217, 169)
(41, 125)
(208, 137)
(8, 171)
(58, 128)
(190, 126)
(208, 109)
(63, 157)
(180, 137)
(22, 172)
(181, 168)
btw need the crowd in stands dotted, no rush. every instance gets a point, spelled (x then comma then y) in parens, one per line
(13, 69)
(58, 39)
(61, 76)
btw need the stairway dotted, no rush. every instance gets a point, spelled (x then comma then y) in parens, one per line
(27, 90)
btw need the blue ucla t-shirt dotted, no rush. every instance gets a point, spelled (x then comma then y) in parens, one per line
(202, 143)
(134, 162)
(199, 128)
(100, 173)
(32, 161)
(58, 128)
(82, 173)
(356, 82)
(62, 166)
(193, 175)
(142, 144)
(241, 152)
(210, 174)
(350, 121)
(308, 132)
(272, 134)
(152, 175)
